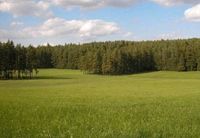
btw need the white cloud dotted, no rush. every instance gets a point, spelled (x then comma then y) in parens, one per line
(16, 24)
(115, 3)
(42, 8)
(172, 35)
(193, 14)
(128, 34)
(11, 34)
(58, 27)
(93, 3)
(79, 28)
(25, 8)
(175, 2)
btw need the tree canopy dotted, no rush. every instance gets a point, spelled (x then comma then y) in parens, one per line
(111, 58)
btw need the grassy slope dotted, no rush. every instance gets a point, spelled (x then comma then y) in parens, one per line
(65, 103)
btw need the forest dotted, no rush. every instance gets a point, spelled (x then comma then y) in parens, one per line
(107, 58)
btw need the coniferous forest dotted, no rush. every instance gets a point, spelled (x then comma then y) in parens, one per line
(109, 58)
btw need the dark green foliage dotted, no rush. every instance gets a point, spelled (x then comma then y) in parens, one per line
(44, 55)
(112, 58)
(126, 57)
(17, 62)
(31, 60)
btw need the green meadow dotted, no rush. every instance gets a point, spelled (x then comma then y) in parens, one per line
(71, 104)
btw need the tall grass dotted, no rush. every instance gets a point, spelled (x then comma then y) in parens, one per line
(66, 103)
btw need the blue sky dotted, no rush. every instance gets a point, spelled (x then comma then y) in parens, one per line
(78, 21)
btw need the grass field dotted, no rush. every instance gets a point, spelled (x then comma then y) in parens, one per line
(66, 103)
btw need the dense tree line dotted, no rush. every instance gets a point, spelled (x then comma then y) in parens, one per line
(17, 62)
(118, 57)
(126, 57)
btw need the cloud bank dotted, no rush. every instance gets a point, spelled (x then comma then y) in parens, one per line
(93, 3)
(26, 8)
(81, 29)
(42, 8)
(56, 27)
(193, 14)
(175, 2)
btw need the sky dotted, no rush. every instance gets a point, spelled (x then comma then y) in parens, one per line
(39, 22)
